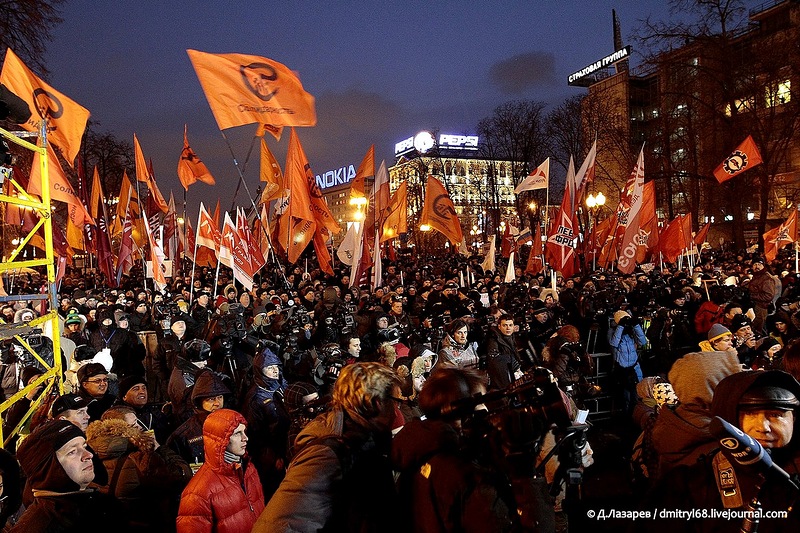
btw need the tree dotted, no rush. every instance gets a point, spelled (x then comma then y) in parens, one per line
(724, 76)
(26, 27)
(515, 133)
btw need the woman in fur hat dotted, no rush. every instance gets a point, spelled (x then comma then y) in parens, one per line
(145, 477)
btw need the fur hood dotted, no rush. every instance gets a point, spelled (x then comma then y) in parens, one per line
(112, 438)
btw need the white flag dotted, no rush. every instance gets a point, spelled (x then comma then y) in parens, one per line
(488, 262)
(510, 273)
(348, 246)
(538, 179)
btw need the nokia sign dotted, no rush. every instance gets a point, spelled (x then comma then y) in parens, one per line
(340, 176)
(423, 141)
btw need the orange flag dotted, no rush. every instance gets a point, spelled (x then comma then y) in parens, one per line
(208, 234)
(298, 224)
(397, 214)
(777, 238)
(243, 89)
(439, 212)
(143, 174)
(365, 170)
(60, 188)
(745, 157)
(271, 175)
(66, 120)
(275, 131)
(190, 168)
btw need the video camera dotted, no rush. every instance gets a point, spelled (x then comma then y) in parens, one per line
(331, 362)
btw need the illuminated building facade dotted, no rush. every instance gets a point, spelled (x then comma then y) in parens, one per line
(482, 189)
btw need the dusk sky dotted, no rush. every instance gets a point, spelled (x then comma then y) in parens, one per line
(380, 71)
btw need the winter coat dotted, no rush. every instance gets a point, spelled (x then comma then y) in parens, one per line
(454, 354)
(763, 288)
(222, 497)
(187, 440)
(501, 362)
(268, 422)
(148, 482)
(624, 344)
(446, 491)
(339, 480)
(127, 351)
(681, 434)
(707, 315)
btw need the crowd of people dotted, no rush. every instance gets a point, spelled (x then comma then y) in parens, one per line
(444, 399)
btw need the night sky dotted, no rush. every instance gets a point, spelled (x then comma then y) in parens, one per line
(380, 71)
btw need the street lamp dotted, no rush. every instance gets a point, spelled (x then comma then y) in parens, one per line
(595, 203)
(424, 227)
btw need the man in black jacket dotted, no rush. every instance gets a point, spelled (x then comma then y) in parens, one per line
(501, 353)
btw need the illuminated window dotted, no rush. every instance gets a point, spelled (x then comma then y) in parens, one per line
(782, 94)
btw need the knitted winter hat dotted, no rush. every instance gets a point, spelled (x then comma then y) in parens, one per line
(717, 331)
(37, 456)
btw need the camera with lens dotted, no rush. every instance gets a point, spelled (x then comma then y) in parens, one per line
(165, 313)
(331, 362)
(12, 351)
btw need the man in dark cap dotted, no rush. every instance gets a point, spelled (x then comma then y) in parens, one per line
(93, 383)
(133, 393)
(72, 408)
(59, 469)
(744, 339)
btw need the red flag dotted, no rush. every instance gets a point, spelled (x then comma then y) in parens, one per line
(702, 235)
(676, 237)
(648, 223)
(509, 243)
(156, 258)
(535, 264)
(560, 247)
(105, 256)
(777, 238)
(232, 250)
(745, 157)
(125, 259)
(633, 236)
(208, 233)
(190, 168)
(257, 259)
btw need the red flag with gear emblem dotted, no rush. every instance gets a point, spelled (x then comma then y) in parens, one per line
(745, 157)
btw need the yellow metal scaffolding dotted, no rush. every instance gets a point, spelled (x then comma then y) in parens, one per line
(53, 375)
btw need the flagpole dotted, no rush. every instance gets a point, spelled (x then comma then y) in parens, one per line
(253, 203)
(194, 256)
(185, 240)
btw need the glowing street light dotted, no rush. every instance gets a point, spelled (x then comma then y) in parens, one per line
(424, 227)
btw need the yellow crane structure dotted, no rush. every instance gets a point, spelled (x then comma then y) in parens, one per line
(12, 194)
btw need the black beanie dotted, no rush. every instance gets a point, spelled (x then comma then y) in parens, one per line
(37, 456)
(127, 384)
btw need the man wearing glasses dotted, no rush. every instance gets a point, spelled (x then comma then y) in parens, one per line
(93, 380)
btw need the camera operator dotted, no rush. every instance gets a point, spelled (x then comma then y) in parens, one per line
(670, 333)
(542, 327)
(201, 312)
(625, 336)
(440, 479)
(400, 319)
(501, 354)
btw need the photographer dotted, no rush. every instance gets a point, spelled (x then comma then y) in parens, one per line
(744, 340)
(625, 336)
(440, 478)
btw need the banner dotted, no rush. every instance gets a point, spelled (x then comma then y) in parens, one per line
(244, 89)
(144, 175)
(105, 255)
(560, 247)
(60, 188)
(365, 170)
(65, 119)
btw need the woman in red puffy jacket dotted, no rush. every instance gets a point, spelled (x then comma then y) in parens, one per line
(225, 495)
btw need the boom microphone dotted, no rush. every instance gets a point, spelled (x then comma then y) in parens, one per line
(740, 447)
